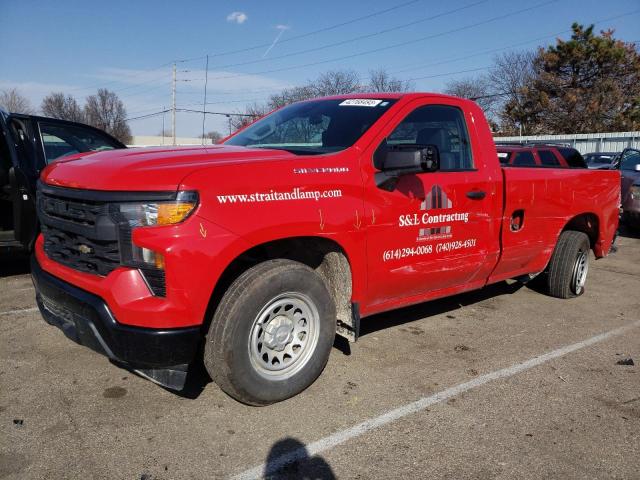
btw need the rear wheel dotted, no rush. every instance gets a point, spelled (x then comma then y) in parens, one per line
(569, 265)
(272, 333)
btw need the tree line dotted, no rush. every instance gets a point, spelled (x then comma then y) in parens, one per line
(104, 110)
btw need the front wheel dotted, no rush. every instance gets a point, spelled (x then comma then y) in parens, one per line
(272, 333)
(569, 265)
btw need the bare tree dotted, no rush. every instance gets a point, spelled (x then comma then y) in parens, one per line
(509, 78)
(381, 81)
(336, 82)
(290, 95)
(251, 114)
(214, 136)
(57, 105)
(107, 112)
(477, 89)
(333, 82)
(13, 101)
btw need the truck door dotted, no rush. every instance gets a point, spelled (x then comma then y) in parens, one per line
(7, 159)
(437, 231)
(18, 188)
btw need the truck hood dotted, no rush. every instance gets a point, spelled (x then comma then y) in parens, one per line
(148, 169)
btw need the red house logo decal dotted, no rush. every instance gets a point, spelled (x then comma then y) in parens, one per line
(436, 199)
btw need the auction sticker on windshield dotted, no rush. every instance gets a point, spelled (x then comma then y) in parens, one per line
(360, 102)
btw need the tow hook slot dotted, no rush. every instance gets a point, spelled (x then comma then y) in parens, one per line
(517, 220)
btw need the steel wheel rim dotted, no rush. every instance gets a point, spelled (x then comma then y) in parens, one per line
(284, 336)
(580, 272)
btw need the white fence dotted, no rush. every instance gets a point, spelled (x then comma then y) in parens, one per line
(585, 142)
(159, 141)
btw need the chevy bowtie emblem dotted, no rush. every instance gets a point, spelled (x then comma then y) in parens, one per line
(84, 249)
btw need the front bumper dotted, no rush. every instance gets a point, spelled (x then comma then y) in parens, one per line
(162, 355)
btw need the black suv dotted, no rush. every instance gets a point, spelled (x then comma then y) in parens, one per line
(27, 144)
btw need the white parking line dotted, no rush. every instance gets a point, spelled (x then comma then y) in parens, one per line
(419, 405)
(20, 310)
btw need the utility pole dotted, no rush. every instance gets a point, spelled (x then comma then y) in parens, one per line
(204, 103)
(163, 110)
(173, 108)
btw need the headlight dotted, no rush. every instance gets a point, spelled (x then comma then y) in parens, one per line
(148, 214)
(635, 192)
(160, 213)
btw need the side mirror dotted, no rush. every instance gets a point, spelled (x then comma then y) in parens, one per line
(397, 160)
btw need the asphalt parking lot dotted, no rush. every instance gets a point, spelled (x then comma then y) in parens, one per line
(455, 389)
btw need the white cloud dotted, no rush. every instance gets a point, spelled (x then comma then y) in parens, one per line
(237, 17)
(282, 27)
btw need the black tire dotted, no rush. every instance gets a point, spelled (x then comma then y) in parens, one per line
(228, 353)
(564, 273)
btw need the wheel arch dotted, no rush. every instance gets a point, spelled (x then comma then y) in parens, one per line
(326, 256)
(588, 223)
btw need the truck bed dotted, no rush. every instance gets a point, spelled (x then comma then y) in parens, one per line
(542, 196)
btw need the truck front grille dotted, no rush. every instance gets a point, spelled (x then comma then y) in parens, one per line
(79, 234)
(81, 252)
(84, 230)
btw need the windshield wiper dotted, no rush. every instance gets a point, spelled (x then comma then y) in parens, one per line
(295, 151)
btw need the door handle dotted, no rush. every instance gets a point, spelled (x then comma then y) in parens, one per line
(476, 194)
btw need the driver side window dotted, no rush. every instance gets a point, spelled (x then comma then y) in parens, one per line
(60, 140)
(630, 159)
(440, 125)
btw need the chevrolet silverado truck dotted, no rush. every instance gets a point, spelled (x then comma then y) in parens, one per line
(251, 255)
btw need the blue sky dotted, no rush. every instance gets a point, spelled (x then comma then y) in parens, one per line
(127, 46)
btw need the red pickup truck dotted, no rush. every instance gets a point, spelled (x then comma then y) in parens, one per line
(251, 255)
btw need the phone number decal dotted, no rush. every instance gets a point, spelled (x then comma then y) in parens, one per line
(399, 253)
(455, 245)
(419, 250)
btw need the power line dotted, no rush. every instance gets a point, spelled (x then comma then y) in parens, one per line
(308, 34)
(226, 114)
(389, 47)
(254, 47)
(513, 45)
(408, 69)
(149, 115)
(415, 67)
(187, 110)
(110, 82)
(355, 39)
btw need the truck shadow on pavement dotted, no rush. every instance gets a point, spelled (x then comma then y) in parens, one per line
(289, 459)
(198, 378)
(401, 316)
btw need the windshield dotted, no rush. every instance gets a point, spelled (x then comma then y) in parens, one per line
(315, 127)
(600, 159)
